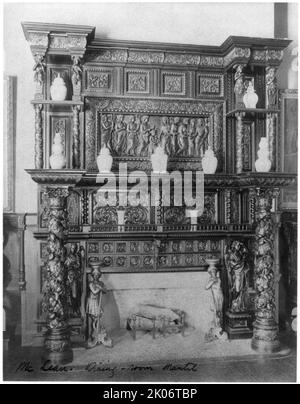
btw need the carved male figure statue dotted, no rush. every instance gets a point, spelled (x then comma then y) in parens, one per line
(120, 134)
(132, 130)
(191, 137)
(166, 135)
(106, 130)
(174, 132)
(145, 131)
(96, 331)
(183, 137)
(237, 269)
(201, 137)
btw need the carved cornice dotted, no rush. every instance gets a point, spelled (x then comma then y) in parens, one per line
(57, 38)
(124, 105)
(56, 177)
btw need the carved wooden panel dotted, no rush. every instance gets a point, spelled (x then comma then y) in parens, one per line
(211, 85)
(99, 80)
(248, 150)
(173, 83)
(143, 256)
(137, 81)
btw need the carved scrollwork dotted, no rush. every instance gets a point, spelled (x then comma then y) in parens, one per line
(135, 216)
(105, 215)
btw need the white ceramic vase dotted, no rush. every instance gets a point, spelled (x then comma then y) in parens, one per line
(159, 160)
(58, 89)
(209, 162)
(250, 99)
(57, 159)
(104, 160)
(263, 163)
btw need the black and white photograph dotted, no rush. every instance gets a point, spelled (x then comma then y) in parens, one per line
(149, 194)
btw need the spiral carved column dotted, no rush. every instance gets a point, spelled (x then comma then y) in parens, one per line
(239, 142)
(265, 333)
(76, 135)
(57, 341)
(38, 157)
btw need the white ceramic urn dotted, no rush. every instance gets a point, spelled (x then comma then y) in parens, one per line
(209, 162)
(57, 159)
(250, 99)
(263, 163)
(58, 89)
(104, 160)
(159, 160)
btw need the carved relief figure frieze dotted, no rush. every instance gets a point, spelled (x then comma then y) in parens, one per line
(130, 135)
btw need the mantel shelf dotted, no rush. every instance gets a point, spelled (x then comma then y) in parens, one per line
(58, 103)
(253, 111)
(244, 180)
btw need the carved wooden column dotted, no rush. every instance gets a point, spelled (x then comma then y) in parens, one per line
(39, 160)
(271, 87)
(76, 137)
(239, 142)
(57, 341)
(76, 77)
(271, 135)
(265, 333)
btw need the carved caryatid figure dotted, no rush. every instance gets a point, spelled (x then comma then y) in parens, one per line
(165, 133)
(192, 137)
(145, 132)
(76, 75)
(96, 331)
(237, 269)
(106, 131)
(132, 130)
(183, 137)
(217, 300)
(271, 87)
(73, 265)
(39, 69)
(239, 87)
(120, 135)
(201, 138)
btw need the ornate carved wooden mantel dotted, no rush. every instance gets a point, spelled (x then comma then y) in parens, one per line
(131, 96)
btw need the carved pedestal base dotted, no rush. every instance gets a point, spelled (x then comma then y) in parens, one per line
(58, 347)
(265, 336)
(238, 325)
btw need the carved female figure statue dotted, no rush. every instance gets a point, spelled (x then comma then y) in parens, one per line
(132, 130)
(145, 132)
(165, 133)
(74, 280)
(201, 137)
(76, 75)
(97, 333)
(217, 301)
(271, 86)
(120, 135)
(106, 130)
(239, 87)
(237, 269)
(183, 137)
(191, 137)
(39, 69)
(155, 140)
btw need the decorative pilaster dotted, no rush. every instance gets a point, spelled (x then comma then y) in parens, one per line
(271, 88)
(76, 77)
(271, 136)
(76, 137)
(265, 334)
(38, 157)
(239, 87)
(239, 142)
(57, 341)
